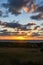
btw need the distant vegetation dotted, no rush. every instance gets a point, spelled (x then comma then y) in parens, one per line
(41, 49)
(20, 44)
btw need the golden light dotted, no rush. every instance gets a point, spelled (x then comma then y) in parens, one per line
(26, 9)
(29, 34)
(20, 38)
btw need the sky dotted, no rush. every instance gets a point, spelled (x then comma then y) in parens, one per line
(23, 11)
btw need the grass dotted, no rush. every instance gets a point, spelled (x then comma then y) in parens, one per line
(21, 53)
(21, 56)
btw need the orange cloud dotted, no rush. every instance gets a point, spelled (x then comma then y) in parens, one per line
(26, 9)
(32, 8)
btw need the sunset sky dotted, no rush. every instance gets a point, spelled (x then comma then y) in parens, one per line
(24, 11)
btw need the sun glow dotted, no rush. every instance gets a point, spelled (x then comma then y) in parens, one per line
(20, 38)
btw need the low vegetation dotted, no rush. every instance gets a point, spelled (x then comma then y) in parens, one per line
(20, 44)
(21, 54)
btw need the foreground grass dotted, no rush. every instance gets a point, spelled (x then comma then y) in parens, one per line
(21, 56)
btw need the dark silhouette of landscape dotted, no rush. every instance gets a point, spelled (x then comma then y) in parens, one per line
(19, 53)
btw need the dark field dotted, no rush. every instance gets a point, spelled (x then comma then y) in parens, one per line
(21, 54)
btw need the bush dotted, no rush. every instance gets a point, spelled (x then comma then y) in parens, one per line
(41, 50)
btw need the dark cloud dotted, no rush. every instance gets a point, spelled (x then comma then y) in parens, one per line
(42, 24)
(5, 5)
(41, 29)
(14, 11)
(40, 9)
(0, 13)
(36, 27)
(12, 25)
(38, 17)
(14, 6)
(35, 34)
(32, 23)
(4, 16)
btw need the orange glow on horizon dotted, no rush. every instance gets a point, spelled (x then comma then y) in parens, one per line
(20, 38)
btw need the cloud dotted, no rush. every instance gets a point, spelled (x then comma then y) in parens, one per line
(33, 8)
(35, 34)
(15, 6)
(40, 9)
(37, 28)
(31, 24)
(12, 25)
(42, 24)
(38, 17)
(41, 29)
(4, 16)
(1, 12)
